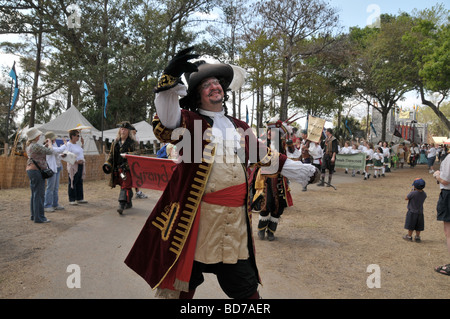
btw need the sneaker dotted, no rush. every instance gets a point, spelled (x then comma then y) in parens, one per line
(407, 238)
(417, 239)
(49, 209)
(82, 201)
(73, 203)
(140, 194)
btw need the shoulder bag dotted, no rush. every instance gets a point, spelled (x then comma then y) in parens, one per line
(46, 173)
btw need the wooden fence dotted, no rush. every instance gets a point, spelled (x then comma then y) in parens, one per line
(14, 175)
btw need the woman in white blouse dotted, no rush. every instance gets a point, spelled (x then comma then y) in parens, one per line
(77, 171)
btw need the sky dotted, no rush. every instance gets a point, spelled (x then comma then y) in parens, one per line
(359, 12)
(351, 12)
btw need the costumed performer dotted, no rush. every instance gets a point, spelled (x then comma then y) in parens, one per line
(202, 222)
(117, 165)
(272, 193)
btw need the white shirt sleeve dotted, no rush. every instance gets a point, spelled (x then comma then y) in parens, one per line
(168, 106)
(445, 172)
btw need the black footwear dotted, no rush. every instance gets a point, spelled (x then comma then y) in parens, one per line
(417, 239)
(262, 234)
(121, 208)
(407, 238)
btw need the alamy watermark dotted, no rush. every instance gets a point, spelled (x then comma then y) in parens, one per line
(374, 279)
(74, 19)
(225, 145)
(74, 279)
(373, 20)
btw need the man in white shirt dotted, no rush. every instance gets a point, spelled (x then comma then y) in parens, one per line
(443, 206)
(431, 157)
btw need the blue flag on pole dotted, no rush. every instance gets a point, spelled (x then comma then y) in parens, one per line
(13, 74)
(348, 128)
(246, 118)
(373, 128)
(106, 99)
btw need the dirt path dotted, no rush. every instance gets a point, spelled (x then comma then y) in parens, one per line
(324, 245)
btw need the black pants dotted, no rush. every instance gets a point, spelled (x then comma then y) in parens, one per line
(238, 281)
(327, 164)
(76, 193)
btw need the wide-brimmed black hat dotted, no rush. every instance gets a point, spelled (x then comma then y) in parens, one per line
(127, 125)
(221, 71)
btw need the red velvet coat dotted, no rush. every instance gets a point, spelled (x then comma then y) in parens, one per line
(167, 231)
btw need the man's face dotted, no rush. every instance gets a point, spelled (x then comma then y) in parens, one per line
(124, 132)
(211, 95)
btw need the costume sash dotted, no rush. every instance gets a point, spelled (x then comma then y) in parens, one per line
(233, 196)
(178, 277)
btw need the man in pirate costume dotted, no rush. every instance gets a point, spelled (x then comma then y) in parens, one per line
(272, 193)
(202, 222)
(329, 157)
(117, 165)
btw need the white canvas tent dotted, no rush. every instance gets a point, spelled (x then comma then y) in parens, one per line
(144, 133)
(69, 120)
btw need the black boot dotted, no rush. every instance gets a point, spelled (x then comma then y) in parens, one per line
(122, 201)
(329, 180)
(322, 181)
(271, 228)
(121, 207)
(262, 226)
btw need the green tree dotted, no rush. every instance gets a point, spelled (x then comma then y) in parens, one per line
(292, 23)
(429, 42)
(382, 69)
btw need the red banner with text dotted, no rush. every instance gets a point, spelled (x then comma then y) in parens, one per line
(150, 172)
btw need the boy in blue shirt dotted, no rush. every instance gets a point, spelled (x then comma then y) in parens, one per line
(414, 216)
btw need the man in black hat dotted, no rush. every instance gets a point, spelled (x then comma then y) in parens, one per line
(117, 164)
(329, 157)
(202, 222)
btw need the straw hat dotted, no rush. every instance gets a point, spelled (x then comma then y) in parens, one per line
(32, 133)
(50, 135)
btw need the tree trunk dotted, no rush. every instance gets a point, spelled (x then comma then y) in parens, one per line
(435, 109)
(285, 90)
(384, 116)
(36, 76)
